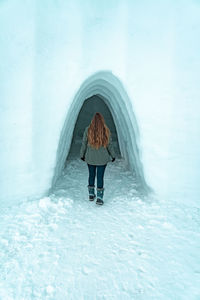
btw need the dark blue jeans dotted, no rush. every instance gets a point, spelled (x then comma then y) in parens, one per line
(100, 175)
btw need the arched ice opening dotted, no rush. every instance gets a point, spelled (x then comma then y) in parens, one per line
(108, 87)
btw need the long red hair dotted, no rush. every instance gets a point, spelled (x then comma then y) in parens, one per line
(98, 132)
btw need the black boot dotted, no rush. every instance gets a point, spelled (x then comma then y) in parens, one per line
(91, 193)
(100, 192)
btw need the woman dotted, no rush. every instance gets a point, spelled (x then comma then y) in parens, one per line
(97, 150)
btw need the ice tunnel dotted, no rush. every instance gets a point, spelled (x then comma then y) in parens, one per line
(102, 92)
(90, 106)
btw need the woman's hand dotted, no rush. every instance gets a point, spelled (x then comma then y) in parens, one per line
(113, 159)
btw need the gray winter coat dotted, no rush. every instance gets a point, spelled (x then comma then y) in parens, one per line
(94, 156)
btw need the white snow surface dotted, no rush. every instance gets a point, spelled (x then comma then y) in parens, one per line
(63, 246)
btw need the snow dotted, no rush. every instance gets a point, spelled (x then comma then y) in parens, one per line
(139, 62)
(63, 246)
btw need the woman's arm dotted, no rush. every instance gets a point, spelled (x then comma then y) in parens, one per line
(110, 148)
(84, 144)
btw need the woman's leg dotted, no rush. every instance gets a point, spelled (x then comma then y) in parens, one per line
(92, 174)
(100, 176)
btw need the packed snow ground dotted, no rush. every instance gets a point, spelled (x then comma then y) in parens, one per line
(133, 247)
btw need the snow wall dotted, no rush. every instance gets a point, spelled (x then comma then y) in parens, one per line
(141, 57)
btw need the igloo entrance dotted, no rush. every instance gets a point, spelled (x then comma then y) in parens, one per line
(108, 88)
(90, 107)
